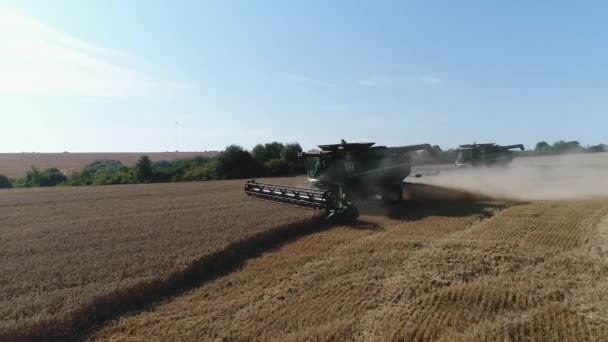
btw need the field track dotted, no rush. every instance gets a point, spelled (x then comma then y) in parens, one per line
(454, 271)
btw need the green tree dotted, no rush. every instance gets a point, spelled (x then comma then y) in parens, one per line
(273, 150)
(202, 172)
(113, 177)
(104, 165)
(542, 146)
(562, 146)
(290, 152)
(268, 151)
(47, 177)
(83, 177)
(102, 172)
(235, 162)
(5, 183)
(144, 172)
(259, 153)
(598, 148)
(574, 146)
(277, 167)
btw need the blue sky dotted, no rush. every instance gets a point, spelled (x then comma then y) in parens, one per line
(116, 75)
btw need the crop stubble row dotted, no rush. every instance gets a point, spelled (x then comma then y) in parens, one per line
(528, 271)
(69, 251)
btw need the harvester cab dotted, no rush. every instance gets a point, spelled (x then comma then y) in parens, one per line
(343, 174)
(488, 154)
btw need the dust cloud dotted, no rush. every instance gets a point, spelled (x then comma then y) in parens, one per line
(533, 178)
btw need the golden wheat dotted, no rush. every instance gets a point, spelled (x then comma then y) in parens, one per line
(74, 256)
(508, 272)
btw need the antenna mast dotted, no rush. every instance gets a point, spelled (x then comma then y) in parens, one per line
(176, 137)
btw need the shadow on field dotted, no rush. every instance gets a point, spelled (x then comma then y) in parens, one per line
(422, 200)
(85, 320)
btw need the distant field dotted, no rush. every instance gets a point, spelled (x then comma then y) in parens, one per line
(17, 164)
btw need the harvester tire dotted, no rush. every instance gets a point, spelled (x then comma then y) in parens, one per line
(392, 194)
(350, 213)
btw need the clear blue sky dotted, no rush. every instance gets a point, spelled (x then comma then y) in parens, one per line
(116, 75)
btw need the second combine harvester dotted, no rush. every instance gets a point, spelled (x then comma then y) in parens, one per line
(485, 154)
(342, 174)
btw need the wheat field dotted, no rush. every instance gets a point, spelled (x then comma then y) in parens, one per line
(202, 261)
(456, 271)
(72, 257)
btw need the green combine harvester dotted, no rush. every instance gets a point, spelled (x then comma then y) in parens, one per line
(485, 154)
(343, 174)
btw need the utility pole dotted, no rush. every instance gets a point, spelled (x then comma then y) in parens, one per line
(176, 136)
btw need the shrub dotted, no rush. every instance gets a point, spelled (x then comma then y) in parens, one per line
(290, 152)
(143, 170)
(47, 177)
(5, 183)
(114, 177)
(201, 173)
(174, 170)
(104, 165)
(83, 177)
(597, 148)
(235, 162)
(277, 167)
(267, 152)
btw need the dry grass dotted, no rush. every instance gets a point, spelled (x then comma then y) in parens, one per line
(457, 271)
(17, 164)
(72, 257)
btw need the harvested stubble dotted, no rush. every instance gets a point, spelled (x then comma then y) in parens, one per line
(72, 257)
(450, 272)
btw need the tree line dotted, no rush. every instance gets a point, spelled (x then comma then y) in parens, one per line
(562, 147)
(265, 160)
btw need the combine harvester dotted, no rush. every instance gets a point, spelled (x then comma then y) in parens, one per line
(343, 174)
(485, 154)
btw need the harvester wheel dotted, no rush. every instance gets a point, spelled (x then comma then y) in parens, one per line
(392, 194)
(350, 213)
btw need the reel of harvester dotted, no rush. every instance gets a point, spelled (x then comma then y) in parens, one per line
(323, 200)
